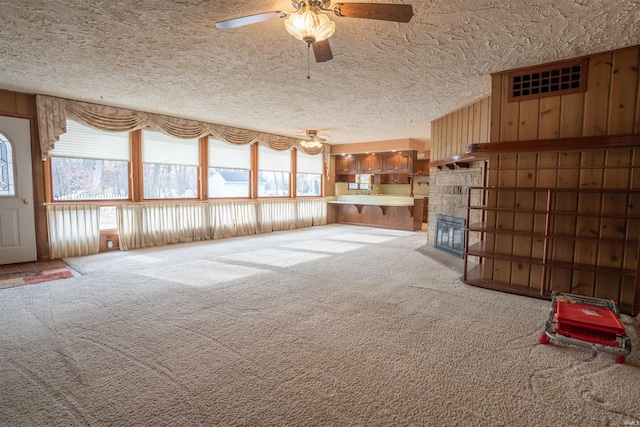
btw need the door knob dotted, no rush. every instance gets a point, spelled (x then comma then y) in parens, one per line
(26, 201)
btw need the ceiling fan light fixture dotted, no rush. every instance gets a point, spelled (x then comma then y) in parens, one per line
(312, 140)
(309, 26)
(313, 143)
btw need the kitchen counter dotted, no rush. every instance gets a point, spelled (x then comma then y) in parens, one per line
(377, 200)
(386, 211)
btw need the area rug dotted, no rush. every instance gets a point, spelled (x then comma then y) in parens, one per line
(31, 277)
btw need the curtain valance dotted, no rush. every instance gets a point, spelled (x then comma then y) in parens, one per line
(53, 113)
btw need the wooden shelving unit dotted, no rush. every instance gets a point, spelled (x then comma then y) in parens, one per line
(532, 244)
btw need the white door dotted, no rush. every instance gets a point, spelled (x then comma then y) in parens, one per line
(17, 223)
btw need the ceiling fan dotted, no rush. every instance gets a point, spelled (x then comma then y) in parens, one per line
(310, 23)
(311, 139)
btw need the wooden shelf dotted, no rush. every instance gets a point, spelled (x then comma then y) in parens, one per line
(479, 250)
(461, 160)
(595, 215)
(558, 144)
(481, 228)
(592, 268)
(475, 278)
(514, 210)
(555, 242)
(556, 190)
(569, 213)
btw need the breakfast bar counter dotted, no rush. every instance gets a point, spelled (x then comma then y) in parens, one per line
(397, 212)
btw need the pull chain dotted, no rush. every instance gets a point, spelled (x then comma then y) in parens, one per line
(308, 60)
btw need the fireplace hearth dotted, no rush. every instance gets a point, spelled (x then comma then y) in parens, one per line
(450, 235)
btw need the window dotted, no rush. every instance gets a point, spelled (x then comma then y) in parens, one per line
(87, 163)
(169, 166)
(229, 166)
(274, 170)
(363, 182)
(7, 173)
(309, 174)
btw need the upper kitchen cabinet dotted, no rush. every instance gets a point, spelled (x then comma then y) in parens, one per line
(346, 165)
(370, 164)
(422, 167)
(401, 162)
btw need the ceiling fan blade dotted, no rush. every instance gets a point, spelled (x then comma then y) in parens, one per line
(381, 11)
(250, 19)
(322, 51)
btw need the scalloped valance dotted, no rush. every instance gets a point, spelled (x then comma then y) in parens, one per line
(53, 113)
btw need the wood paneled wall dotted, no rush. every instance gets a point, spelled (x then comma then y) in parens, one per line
(24, 105)
(599, 235)
(610, 105)
(451, 134)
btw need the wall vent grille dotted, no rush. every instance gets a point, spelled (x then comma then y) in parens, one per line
(549, 80)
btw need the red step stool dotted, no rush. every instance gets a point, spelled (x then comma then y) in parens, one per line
(587, 322)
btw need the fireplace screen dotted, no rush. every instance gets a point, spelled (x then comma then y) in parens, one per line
(450, 235)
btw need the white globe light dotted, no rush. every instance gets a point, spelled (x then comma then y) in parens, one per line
(309, 26)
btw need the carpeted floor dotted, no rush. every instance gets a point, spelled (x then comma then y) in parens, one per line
(334, 325)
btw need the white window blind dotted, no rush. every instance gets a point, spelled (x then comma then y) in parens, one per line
(83, 142)
(309, 164)
(167, 150)
(229, 156)
(274, 160)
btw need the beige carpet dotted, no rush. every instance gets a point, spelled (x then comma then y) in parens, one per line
(332, 325)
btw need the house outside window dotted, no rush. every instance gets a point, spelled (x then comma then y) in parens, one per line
(229, 167)
(90, 164)
(170, 166)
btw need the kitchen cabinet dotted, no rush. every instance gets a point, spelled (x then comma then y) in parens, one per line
(422, 167)
(401, 162)
(346, 178)
(370, 164)
(387, 168)
(346, 165)
(395, 178)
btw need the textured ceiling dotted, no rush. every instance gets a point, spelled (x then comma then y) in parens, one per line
(386, 81)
